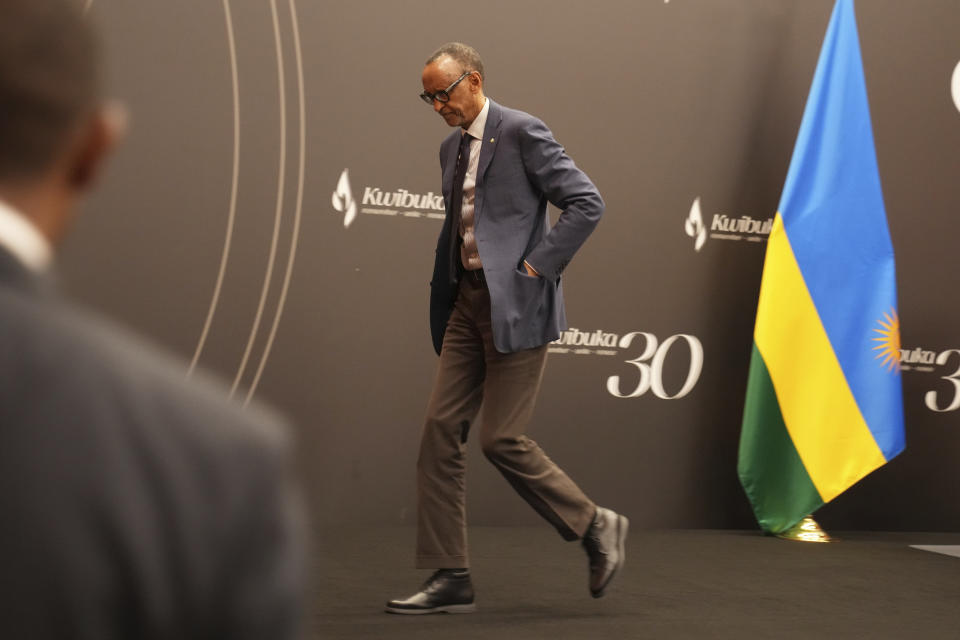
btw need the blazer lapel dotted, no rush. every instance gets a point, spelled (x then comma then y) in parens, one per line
(491, 136)
(449, 166)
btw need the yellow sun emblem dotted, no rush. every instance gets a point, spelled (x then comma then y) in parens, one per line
(889, 340)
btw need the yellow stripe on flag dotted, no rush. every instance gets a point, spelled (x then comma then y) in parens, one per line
(819, 410)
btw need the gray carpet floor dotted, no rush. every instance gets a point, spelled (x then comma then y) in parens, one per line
(676, 584)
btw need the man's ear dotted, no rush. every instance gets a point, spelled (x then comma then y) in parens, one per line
(97, 138)
(476, 82)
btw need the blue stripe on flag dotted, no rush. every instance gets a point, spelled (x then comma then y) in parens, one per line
(833, 212)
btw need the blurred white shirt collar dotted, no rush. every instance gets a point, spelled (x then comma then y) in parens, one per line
(20, 237)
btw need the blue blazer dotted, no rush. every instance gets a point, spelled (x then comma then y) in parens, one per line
(521, 168)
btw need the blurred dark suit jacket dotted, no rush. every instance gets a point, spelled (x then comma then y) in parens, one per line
(133, 503)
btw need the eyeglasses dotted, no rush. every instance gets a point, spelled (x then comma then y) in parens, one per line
(444, 94)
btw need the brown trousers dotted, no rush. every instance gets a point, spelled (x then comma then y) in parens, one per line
(472, 372)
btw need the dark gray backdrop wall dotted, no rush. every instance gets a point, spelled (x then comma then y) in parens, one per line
(220, 230)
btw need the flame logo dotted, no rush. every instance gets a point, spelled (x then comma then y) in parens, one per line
(889, 341)
(955, 86)
(694, 225)
(343, 199)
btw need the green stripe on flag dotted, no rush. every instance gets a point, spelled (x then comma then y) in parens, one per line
(771, 471)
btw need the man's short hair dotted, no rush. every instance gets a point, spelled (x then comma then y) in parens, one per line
(48, 81)
(464, 54)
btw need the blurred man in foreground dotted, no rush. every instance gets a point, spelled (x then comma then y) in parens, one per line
(132, 504)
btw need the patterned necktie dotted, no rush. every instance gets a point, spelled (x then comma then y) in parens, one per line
(456, 196)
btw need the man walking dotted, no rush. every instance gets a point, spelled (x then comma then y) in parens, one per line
(495, 304)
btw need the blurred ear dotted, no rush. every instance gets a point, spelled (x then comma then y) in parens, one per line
(98, 137)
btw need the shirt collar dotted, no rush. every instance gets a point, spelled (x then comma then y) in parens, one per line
(21, 238)
(480, 122)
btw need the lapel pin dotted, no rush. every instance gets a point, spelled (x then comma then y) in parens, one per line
(491, 139)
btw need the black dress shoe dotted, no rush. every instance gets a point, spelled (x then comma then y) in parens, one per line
(446, 591)
(604, 543)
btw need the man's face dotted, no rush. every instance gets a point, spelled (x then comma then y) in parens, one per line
(463, 107)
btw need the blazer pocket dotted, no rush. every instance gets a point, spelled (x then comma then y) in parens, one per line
(528, 294)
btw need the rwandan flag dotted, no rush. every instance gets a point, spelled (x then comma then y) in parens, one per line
(824, 403)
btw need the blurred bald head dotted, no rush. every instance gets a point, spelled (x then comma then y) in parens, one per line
(48, 82)
(54, 130)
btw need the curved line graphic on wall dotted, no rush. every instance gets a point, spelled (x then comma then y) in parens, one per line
(955, 86)
(231, 218)
(265, 290)
(299, 206)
